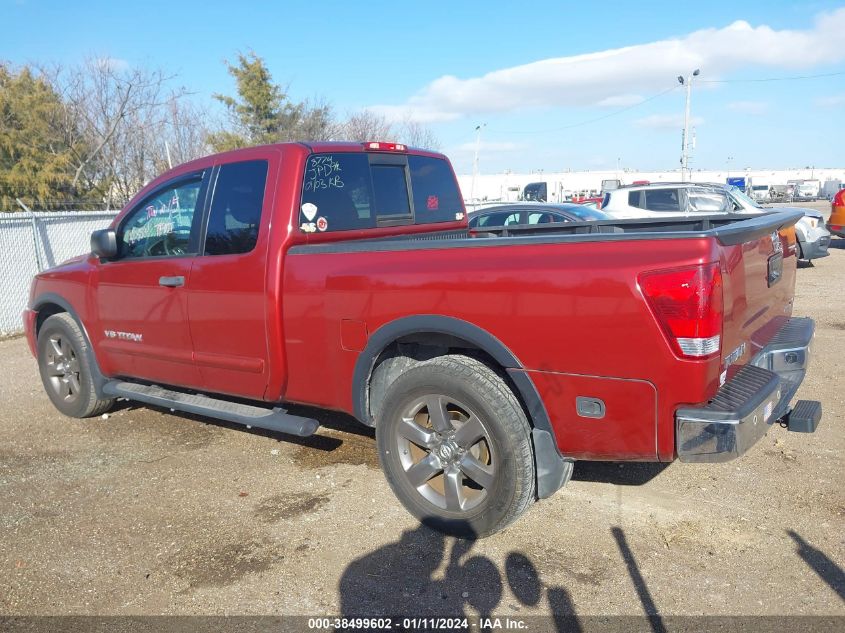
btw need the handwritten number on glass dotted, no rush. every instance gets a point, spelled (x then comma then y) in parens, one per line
(323, 172)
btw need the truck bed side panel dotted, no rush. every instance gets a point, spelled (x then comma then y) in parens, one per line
(564, 308)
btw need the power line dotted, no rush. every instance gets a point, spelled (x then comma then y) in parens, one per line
(593, 120)
(796, 78)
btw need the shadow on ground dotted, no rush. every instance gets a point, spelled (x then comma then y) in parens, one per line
(426, 574)
(819, 562)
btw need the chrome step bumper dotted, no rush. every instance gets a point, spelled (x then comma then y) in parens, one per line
(744, 407)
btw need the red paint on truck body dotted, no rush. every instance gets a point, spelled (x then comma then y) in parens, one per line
(282, 326)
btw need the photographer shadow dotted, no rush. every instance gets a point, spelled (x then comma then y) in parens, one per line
(408, 579)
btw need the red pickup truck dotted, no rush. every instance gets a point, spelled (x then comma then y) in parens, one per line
(343, 276)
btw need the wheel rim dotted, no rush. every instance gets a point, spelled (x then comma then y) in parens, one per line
(446, 453)
(62, 368)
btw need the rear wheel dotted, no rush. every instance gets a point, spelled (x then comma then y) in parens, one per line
(65, 369)
(455, 446)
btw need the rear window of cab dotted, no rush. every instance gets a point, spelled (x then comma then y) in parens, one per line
(347, 191)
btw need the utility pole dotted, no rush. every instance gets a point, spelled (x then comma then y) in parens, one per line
(685, 138)
(475, 160)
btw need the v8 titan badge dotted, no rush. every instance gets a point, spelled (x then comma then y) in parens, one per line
(322, 223)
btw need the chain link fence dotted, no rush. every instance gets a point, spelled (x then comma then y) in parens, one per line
(32, 242)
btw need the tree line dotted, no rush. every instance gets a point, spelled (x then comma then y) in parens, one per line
(90, 136)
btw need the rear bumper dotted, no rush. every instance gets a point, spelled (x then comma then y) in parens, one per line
(742, 410)
(816, 243)
(836, 229)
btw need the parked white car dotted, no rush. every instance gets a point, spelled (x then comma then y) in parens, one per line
(669, 199)
(685, 199)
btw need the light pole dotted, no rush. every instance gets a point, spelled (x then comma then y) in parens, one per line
(475, 160)
(685, 140)
(730, 158)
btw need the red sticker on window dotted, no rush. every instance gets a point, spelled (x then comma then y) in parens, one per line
(433, 203)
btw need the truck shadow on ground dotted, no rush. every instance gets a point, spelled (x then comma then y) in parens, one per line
(621, 474)
(426, 574)
(355, 443)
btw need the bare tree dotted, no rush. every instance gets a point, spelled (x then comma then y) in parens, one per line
(123, 115)
(416, 134)
(185, 132)
(367, 126)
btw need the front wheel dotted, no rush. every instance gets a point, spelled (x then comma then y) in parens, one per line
(65, 369)
(455, 446)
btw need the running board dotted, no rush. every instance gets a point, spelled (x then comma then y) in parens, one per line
(271, 419)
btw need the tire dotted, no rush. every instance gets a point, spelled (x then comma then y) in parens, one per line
(467, 470)
(65, 368)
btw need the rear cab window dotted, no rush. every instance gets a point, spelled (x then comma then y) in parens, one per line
(349, 191)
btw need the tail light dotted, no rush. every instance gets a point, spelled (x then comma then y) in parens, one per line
(687, 303)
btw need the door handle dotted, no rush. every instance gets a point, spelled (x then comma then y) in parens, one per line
(171, 282)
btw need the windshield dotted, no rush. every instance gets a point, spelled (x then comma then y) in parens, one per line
(743, 199)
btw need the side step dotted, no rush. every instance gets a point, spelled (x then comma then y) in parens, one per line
(805, 417)
(272, 419)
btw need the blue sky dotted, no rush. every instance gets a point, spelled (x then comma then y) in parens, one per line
(535, 73)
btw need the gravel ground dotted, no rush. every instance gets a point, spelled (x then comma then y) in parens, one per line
(149, 512)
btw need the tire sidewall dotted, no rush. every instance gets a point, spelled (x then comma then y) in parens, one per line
(426, 379)
(78, 407)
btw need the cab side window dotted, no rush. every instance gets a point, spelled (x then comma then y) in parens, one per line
(165, 224)
(235, 215)
(662, 200)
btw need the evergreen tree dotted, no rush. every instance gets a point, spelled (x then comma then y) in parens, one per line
(35, 155)
(263, 113)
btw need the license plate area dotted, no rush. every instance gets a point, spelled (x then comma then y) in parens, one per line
(775, 270)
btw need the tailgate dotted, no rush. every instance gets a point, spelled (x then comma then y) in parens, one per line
(758, 263)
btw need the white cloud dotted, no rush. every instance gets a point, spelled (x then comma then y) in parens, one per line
(834, 101)
(749, 107)
(488, 147)
(620, 101)
(621, 73)
(113, 63)
(666, 121)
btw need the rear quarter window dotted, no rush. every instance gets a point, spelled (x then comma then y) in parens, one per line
(436, 194)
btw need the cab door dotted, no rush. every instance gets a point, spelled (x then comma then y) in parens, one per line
(140, 295)
(227, 297)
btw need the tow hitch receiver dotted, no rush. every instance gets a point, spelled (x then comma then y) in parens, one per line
(804, 418)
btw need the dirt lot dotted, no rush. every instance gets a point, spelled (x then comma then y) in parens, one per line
(149, 512)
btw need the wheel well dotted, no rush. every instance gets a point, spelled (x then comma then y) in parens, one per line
(45, 311)
(411, 349)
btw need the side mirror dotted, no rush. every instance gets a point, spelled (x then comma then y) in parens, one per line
(104, 243)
